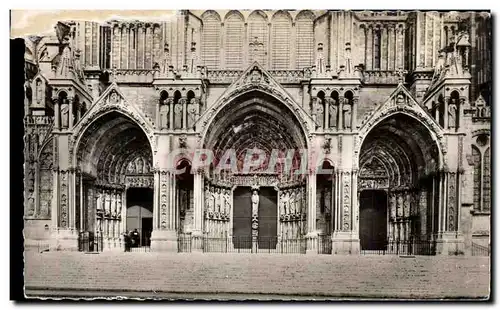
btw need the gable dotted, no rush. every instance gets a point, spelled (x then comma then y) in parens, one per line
(112, 99)
(255, 77)
(400, 100)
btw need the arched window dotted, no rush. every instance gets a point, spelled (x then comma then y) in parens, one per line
(305, 39)
(280, 47)
(210, 48)
(257, 37)
(234, 40)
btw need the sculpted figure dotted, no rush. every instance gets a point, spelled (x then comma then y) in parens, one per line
(178, 115)
(347, 115)
(319, 113)
(452, 114)
(192, 115)
(227, 198)
(298, 201)
(211, 201)
(255, 203)
(333, 112)
(217, 200)
(64, 114)
(291, 202)
(393, 206)
(39, 90)
(164, 117)
(282, 204)
(399, 206)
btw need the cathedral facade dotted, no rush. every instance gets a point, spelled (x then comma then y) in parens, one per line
(395, 106)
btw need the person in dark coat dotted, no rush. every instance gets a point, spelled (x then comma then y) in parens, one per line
(134, 235)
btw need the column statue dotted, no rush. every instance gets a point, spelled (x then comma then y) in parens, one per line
(39, 91)
(282, 204)
(255, 203)
(320, 112)
(192, 113)
(298, 201)
(211, 200)
(393, 206)
(399, 206)
(346, 112)
(164, 110)
(333, 112)
(64, 114)
(178, 115)
(227, 202)
(291, 202)
(217, 200)
(452, 113)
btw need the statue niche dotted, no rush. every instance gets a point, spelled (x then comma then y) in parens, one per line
(64, 113)
(193, 112)
(164, 113)
(178, 114)
(333, 112)
(346, 113)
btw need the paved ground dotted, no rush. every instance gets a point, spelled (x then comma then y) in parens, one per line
(248, 276)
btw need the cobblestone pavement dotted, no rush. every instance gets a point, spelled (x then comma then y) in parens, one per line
(270, 275)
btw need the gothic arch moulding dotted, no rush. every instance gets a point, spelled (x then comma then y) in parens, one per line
(112, 100)
(401, 102)
(255, 78)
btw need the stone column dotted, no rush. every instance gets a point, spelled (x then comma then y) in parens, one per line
(326, 106)
(354, 113)
(158, 120)
(170, 102)
(184, 112)
(312, 234)
(70, 114)
(446, 99)
(198, 211)
(450, 241)
(340, 112)
(82, 217)
(346, 239)
(57, 121)
(164, 239)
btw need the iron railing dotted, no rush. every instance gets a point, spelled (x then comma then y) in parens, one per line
(89, 242)
(480, 250)
(324, 244)
(401, 247)
(242, 244)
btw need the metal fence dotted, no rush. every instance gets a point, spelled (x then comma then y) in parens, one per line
(480, 250)
(401, 247)
(242, 244)
(89, 242)
(324, 244)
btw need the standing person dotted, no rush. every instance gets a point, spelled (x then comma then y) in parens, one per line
(135, 237)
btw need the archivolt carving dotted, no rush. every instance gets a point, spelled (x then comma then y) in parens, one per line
(255, 78)
(401, 101)
(419, 115)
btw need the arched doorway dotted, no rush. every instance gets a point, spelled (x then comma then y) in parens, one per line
(397, 190)
(114, 161)
(255, 127)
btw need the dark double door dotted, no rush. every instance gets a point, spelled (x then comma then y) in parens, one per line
(373, 219)
(242, 218)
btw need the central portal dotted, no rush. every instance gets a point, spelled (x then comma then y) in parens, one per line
(248, 228)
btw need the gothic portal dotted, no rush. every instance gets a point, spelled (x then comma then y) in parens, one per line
(380, 121)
